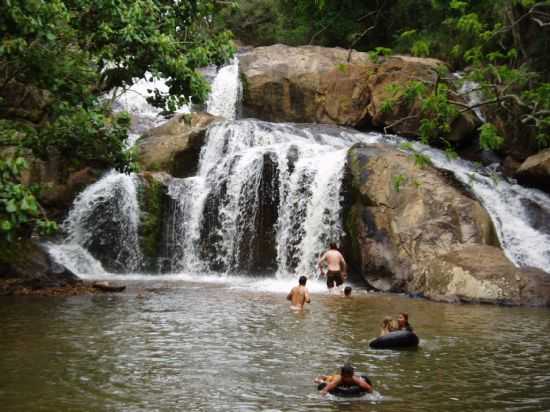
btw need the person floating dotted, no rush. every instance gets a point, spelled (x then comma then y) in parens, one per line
(299, 295)
(347, 292)
(336, 267)
(345, 379)
(387, 326)
(403, 322)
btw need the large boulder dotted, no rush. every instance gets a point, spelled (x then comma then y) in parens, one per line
(418, 230)
(535, 171)
(174, 147)
(26, 264)
(401, 215)
(318, 84)
(481, 274)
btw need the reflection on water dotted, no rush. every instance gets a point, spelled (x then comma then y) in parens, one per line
(178, 345)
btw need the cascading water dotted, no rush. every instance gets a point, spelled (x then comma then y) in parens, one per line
(266, 199)
(225, 93)
(272, 202)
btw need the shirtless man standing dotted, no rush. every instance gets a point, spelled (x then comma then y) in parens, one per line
(337, 268)
(299, 295)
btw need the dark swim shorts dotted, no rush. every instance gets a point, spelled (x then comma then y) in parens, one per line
(334, 277)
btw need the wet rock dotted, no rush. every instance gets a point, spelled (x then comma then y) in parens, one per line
(258, 248)
(175, 146)
(481, 274)
(26, 264)
(535, 171)
(318, 84)
(402, 215)
(153, 201)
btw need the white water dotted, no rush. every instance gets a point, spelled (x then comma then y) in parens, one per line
(231, 172)
(225, 93)
(472, 94)
(212, 218)
(105, 218)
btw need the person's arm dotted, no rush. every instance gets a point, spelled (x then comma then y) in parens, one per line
(289, 296)
(362, 383)
(308, 299)
(344, 267)
(331, 386)
(323, 258)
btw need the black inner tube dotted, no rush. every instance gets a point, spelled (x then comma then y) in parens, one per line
(397, 339)
(347, 391)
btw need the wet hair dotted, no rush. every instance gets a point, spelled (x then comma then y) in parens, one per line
(406, 316)
(347, 370)
(302, 280)
(347, 290)
(387, 322)
(333, 245)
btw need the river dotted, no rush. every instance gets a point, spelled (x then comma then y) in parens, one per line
(211, 343)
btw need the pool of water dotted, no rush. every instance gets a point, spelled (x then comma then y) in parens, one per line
(171, 343)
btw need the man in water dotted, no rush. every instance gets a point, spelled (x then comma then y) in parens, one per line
(336, 267)
(347, 292)
(299, 294)
(347, 377)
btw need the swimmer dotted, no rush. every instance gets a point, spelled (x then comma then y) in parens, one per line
(336, 267)
(347, 377)
(403, 322)
(347, 292)
(299, 295)
(387, 326)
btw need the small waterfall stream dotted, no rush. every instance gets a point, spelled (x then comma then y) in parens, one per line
(267, 199)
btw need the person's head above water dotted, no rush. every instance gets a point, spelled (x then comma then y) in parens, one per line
(333, 245)
(302, 281)
(403, 319)
(347, 370)
(386, 323)
(347, 291)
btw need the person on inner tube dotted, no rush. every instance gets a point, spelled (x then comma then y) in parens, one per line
(337, 268)
(403, 322)
(347, 377)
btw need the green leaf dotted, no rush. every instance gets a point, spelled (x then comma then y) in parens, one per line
(6, 225)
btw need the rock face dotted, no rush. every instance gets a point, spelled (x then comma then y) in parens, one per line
(417, 230)
(318, 84)
(535, 171)
(174, 147)
(481, 274)
(25, 264)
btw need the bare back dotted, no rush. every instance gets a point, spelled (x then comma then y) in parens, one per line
(335, 261)
(299, 296)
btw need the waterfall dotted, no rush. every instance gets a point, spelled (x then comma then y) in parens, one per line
(267, 199)
(225, 93)
(103, 223)
(472, 94)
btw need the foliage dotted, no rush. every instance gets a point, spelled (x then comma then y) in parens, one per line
(67, 54)
(398, 181)
(503, 43)
(19, 209)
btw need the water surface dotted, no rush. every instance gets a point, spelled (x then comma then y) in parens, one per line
(224, 345)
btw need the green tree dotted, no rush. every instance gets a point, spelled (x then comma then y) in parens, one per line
(63, 56)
